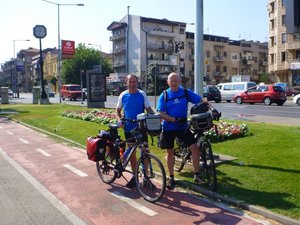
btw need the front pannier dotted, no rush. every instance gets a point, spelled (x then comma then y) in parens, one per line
(201, 122)
(150, 122)
(95, 148)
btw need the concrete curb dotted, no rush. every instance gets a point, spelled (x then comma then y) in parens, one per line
(252, 208)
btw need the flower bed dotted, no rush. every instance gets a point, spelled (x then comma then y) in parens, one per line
(226, 131)
(95, 115)
(222, 132)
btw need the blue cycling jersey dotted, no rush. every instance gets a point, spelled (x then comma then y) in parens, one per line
(176, 106)
(132, 104)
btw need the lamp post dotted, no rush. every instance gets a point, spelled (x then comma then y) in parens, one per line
(100, 66)
(40, 31)
(59, 42)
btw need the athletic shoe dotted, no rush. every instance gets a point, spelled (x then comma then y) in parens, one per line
(171, 183)
(131, 183)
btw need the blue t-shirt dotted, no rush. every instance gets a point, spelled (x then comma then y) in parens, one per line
(132, 104)
(176, 106)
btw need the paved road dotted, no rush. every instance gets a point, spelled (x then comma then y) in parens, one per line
(45, 182)
(288, 114)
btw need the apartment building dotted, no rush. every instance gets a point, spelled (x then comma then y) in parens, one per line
(284, 41)
(140, 43)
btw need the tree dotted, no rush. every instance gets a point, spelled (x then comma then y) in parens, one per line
(85, 58)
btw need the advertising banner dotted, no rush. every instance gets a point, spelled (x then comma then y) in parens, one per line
(67, 48)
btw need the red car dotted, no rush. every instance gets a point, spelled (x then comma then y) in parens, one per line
(71, 91)
(266, 94)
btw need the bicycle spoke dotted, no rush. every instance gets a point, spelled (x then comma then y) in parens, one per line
(106, 168)
(150, 177)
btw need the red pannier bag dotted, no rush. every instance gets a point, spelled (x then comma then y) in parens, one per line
(95, 148)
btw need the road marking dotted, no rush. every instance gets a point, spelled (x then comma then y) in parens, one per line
(134, 204)
(76, 171)
(43, 152)
(10, 133)
(41, 189)
(24, 141)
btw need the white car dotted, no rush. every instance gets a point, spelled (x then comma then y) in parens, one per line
(296, 99)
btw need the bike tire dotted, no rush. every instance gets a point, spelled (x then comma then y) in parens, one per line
(106, 167)
(208, 164)
(181, 156)
(150, 183)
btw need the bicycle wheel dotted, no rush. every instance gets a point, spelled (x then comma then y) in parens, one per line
(181, 156)
(208, 164)
(105, 168)
(150, 177)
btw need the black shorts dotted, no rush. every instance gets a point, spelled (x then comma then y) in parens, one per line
(168, 137)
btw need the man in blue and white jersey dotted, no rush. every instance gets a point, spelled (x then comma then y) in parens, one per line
(173, 107)
(132, 101)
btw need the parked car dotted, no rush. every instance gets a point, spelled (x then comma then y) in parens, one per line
(290, 91)
(10, 93)
(228, 90)
(71, 91)
(296, 99)
(51, 93)
(212, 93)
(266, 94)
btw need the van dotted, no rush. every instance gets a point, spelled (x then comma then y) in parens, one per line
(228, 90)
(71, 91)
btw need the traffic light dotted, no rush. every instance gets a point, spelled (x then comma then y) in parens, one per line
(177, 47)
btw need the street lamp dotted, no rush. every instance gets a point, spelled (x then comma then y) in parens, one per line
(59, 42)
(100, 66)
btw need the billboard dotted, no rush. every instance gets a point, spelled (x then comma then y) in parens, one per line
(67, 48)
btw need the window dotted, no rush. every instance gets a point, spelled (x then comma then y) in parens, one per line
(224, 69)
(283, 20)
(283, 38)
(239, 87)
(282, 56)
(227, 87)
(225, 54)
(207, 53)
(208, 68)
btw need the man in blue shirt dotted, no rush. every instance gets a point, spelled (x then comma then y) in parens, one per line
(133, 101)
(173, 109)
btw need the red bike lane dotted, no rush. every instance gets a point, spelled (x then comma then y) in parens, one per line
(73, 180)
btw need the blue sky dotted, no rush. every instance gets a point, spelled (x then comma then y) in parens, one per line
(237, 19)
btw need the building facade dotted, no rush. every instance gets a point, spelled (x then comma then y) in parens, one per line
(140, 43)
(284, 41)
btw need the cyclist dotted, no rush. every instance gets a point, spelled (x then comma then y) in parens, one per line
(173, 106)
(133, 101)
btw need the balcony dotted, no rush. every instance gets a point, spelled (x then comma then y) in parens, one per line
(217, 74)
(119, 64)
(119, 50)
(164, 48)
(293, 45)
(159, 62)
(162, 33)
(218, 58)
(117, 37)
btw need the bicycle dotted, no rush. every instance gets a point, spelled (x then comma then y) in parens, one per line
(149, 174)
(198, 124)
